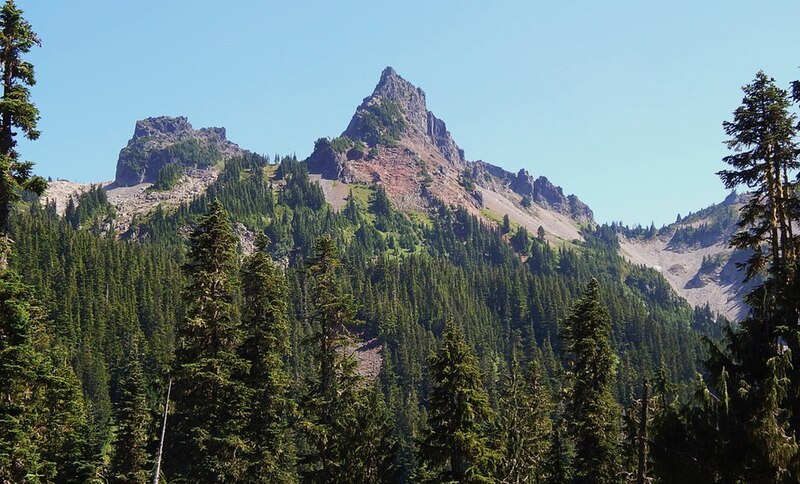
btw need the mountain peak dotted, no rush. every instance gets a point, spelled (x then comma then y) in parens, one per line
(389, 75)
(394, 87)
(388, 71)
(398, 109)
(164, 140)
(393, 139)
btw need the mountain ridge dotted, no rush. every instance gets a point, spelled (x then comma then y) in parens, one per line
(694, 256)
(393, 139)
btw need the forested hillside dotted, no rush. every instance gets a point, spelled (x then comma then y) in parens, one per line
(408, 281)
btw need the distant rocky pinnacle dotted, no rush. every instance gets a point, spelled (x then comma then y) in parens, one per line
(394, 139)
(158, 142)
(394, 90)
(547, 195)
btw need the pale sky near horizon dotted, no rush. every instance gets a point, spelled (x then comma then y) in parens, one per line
(619, 102)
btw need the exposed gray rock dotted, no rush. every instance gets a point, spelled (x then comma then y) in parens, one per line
(734, 198)
(394, 91)
(326, 161)
(164, 140)
(550, 196)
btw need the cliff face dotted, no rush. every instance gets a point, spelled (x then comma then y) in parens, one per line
(397, 109)
(161, 141)
(393, 139)
(543, 193)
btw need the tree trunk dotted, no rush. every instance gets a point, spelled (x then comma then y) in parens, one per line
(641, 475)
(157, 470)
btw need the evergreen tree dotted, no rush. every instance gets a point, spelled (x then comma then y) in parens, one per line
(763, 137)
(765, 159)
(20, 371)
(266, 348)
(206, 443)
(16, 112)
(524, 416)
(43, 432)
(43, 428)
(521, 241)
(592, 410)
(70, 449)
(557, 465)
(370, 449)
(330, 403)
(749, 414)
(457, 447)
(129, 462)
(379, 203)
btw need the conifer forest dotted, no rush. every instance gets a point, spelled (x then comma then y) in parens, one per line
(264, 330)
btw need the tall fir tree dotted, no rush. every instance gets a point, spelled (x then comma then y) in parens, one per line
(266, 348)
(16, 112)
(42, 411)
(524, 410)
(333, 391)
(592, 410)
(763, 136)
(744, 422)
(19, 372)
(457, 447)
(129, 463)
(557, 464)
(43, 425)
(765, 159)
(370, 450)
(206, 440)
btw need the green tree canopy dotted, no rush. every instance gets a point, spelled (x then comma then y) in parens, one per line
(206, 443)
(16, 109)
(266, 349)
(592, 410)
(457, 447)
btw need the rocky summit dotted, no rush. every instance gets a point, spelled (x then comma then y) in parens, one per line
(393, 139)
(161, 141)
(404, 107)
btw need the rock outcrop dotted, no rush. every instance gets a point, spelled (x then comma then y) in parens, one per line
(543, 193)
(332, 164)
(694, 256)
(165, 140)
(393, 139)
(398, 108)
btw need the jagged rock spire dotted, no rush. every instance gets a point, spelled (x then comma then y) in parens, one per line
(417, 121)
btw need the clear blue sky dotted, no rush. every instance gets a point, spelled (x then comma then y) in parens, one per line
(619, 102)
